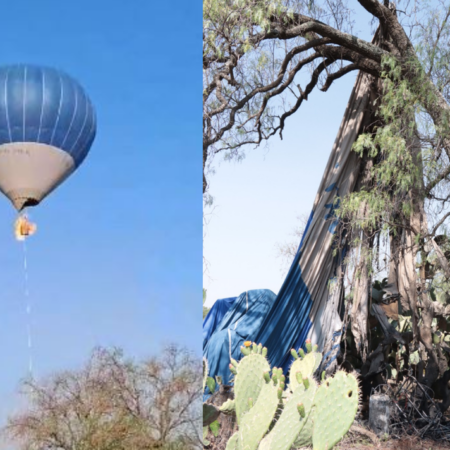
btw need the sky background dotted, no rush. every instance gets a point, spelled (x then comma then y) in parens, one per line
(117, 257)
(257, 201)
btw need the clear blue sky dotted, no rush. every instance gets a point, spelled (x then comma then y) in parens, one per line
(118, 253)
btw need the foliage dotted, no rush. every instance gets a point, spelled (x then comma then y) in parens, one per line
(398, 169)
(239, 17)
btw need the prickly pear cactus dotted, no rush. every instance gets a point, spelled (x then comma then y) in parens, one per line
(265, 443)
(295, 415)
(228, 407)
(249, 380)
(232, 443)
(306, 364)
(304, 438)
(335, 406)
(256, 422)
(301, 415)
(210, 412)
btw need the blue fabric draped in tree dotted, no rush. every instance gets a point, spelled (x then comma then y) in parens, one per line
(241, 323)
(288, 323)
(214, 317)
(308, 305)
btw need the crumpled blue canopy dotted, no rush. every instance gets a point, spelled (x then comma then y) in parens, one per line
(214, 317)
(241, 323)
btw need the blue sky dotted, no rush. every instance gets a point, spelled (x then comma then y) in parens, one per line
(118, 253)
(257, 201)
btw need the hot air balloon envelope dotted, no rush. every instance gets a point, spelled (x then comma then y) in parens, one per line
(47, 126)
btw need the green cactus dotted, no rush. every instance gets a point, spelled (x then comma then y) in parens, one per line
(335, 406)
(255, 423)
(308, 345)
(318, 356)
(292, 419)
(246, 351)
(210, 414)
(228, 407)
(232, 443)
(266, 442)
(211, 384)
(304, 438)
(249, 381)
(306, 382)
(301, 415)
(301, 409)
(306, 366)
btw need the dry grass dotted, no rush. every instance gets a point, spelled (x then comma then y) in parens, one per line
(404, 444)
(413, 443)
(361, 438)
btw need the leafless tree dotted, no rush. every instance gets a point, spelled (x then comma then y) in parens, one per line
(115, 404)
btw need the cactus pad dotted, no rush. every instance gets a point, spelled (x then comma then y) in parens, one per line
(306, 366)
(318, 357)
(304, 438)
(210, 414)
(232, 443)
(335, 406)
(290, 422)
(266, 442)
(256, 422)
(248, 382)
(228, 407)
(308, 345)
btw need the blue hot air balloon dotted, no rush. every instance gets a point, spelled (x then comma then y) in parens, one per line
(47, 126)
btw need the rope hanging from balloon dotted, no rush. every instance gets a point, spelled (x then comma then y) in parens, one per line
(27, 309)
(22, 229)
